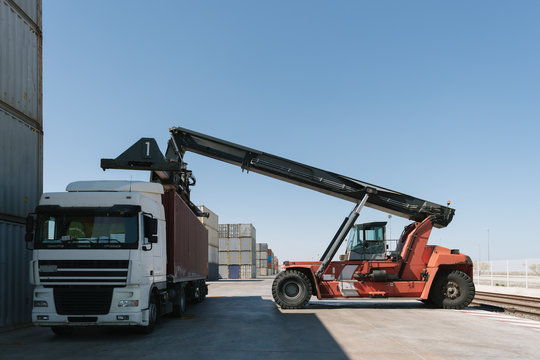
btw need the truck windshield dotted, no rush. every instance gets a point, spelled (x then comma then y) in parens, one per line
(87, 231)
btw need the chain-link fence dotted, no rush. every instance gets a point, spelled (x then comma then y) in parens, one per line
(524, 273)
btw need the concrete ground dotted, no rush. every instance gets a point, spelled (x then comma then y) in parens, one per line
(239, 320)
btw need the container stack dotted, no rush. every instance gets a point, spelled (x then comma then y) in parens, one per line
(21, 150)
(270, 262)
(211, 223)
(237, 259)
(262, 259)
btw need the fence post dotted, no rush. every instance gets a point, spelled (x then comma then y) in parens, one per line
(491, 271)
(507, 274)
(526, 275)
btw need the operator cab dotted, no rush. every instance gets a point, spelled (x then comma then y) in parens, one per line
(367, 242)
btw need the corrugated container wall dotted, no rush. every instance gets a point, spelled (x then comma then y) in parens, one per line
(21, 150)
(187, 240)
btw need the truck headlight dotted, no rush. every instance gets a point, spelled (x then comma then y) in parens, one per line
(40, 303)
(128, 303)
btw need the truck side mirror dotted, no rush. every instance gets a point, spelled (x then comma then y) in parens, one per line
(151, 229)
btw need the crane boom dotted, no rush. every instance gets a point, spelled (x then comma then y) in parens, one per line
(343, 187)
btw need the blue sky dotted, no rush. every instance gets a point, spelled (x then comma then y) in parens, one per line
(439, 100)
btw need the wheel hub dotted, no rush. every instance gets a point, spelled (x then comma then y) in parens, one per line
(291, 289)
(452, 290)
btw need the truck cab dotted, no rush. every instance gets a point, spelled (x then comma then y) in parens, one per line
(100, 256)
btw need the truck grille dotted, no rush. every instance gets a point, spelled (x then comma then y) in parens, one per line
(78, 272)
(83, 300)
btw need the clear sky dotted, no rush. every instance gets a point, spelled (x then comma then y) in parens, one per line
(439, 100)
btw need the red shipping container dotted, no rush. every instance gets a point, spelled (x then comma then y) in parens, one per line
(187, 240)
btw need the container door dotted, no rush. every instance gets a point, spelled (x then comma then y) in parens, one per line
(234, 271)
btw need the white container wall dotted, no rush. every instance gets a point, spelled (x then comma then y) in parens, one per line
(247, 272)
(213, 237)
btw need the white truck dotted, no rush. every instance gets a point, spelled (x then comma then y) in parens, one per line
(114, 253)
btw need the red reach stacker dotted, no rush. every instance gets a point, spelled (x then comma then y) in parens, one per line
(372, 266)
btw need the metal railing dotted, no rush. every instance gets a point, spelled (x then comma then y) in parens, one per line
(522, 273)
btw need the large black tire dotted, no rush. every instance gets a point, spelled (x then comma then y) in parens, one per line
(153, 315)
(179, 305)
(62, 330)
(452, 290)
(291, 289)
(200, 291)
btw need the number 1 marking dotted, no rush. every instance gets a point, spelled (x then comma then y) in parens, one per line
(147, 148)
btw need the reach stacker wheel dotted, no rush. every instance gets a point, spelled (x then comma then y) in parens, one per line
(453, 290)
(291, 289)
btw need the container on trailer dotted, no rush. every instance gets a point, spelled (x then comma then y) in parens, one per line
(234, 271)
(187, 240)
(246, 230)
(223, 271)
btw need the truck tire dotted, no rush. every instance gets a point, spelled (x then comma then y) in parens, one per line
(179, 305)
(452, 290)
(62, 330)
(153, 316)
(291, 289)
(199, 292)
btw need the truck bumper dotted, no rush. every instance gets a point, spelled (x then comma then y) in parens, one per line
(46, 314)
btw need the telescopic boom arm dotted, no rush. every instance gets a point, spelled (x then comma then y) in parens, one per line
(393, 202)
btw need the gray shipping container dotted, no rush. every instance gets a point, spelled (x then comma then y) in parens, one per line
(223, 244)
(21, 150)
(247, 244)
(223, 230)
(234, 230)
(234, 244)
(246, 230)
(234, 257)
(223, 258)
(246, 258)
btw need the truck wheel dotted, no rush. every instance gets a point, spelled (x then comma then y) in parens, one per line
(179, 306)
(153, 313)
(62, 330)
(291, 289)
(199, 294)
(453, 290)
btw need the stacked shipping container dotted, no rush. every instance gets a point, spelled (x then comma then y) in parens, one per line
(21, 150)
(265, 260)
(237, 251)
(211, 223)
